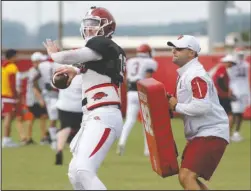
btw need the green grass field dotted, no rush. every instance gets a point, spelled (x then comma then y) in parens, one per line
(32, 167)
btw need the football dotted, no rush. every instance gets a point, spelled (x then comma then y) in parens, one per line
(60, 81)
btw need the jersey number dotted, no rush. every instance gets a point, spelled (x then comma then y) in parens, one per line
(241, 72)
(135, 69)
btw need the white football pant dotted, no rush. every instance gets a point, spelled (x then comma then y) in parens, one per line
(99, 129)
(132, 111)
(51, 108)
(240, 104)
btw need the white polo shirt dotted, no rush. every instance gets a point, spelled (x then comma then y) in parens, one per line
(198, 102)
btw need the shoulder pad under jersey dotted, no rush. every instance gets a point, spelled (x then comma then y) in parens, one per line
(107, 48)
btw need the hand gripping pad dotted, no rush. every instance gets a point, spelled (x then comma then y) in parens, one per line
(157, 125)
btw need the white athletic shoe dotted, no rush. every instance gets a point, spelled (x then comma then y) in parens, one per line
(54, 145)
(236, 137)
(146, 153)
(9, 143)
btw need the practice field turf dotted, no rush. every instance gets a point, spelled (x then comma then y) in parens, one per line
(32, 167)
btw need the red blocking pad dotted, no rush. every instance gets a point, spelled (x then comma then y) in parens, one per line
(157, 125)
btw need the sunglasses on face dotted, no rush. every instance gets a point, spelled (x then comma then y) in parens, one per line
(179, 49)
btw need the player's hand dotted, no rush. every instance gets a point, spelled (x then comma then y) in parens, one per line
(231, 96)
(50, 46)
(168, 95)
(172, 103)
(42, 103)
(67, 70)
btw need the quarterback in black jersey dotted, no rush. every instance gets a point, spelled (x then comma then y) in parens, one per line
(101, 63)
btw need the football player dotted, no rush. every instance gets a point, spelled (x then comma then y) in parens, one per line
(22, 113)
(34, 99)
(49, 94)
(102, 65)
(69, 106)
(240, 85)
(221, 81)
(137, 68)
(10, 96)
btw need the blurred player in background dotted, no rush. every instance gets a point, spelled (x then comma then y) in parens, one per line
(221, 81)
(23, 115)
(102, 70)
(140, 67)
(70, 113)
(9, 95)
(48, 94)
(34, 99)
(240, 85)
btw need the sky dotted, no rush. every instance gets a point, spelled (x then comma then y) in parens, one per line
(36, 13)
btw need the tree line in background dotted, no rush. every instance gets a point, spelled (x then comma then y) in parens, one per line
(15, 34)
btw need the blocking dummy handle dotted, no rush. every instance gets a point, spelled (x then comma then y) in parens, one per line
(157, 125)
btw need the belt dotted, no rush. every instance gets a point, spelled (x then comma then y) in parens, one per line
(84, 102)
(132, 86)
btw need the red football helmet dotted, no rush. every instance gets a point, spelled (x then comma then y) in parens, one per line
(145, 49)
(98, 21)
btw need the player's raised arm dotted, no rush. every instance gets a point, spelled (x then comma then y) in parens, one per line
(75, 56)
(69, 57)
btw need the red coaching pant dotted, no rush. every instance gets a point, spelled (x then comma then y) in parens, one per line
(203, 154)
